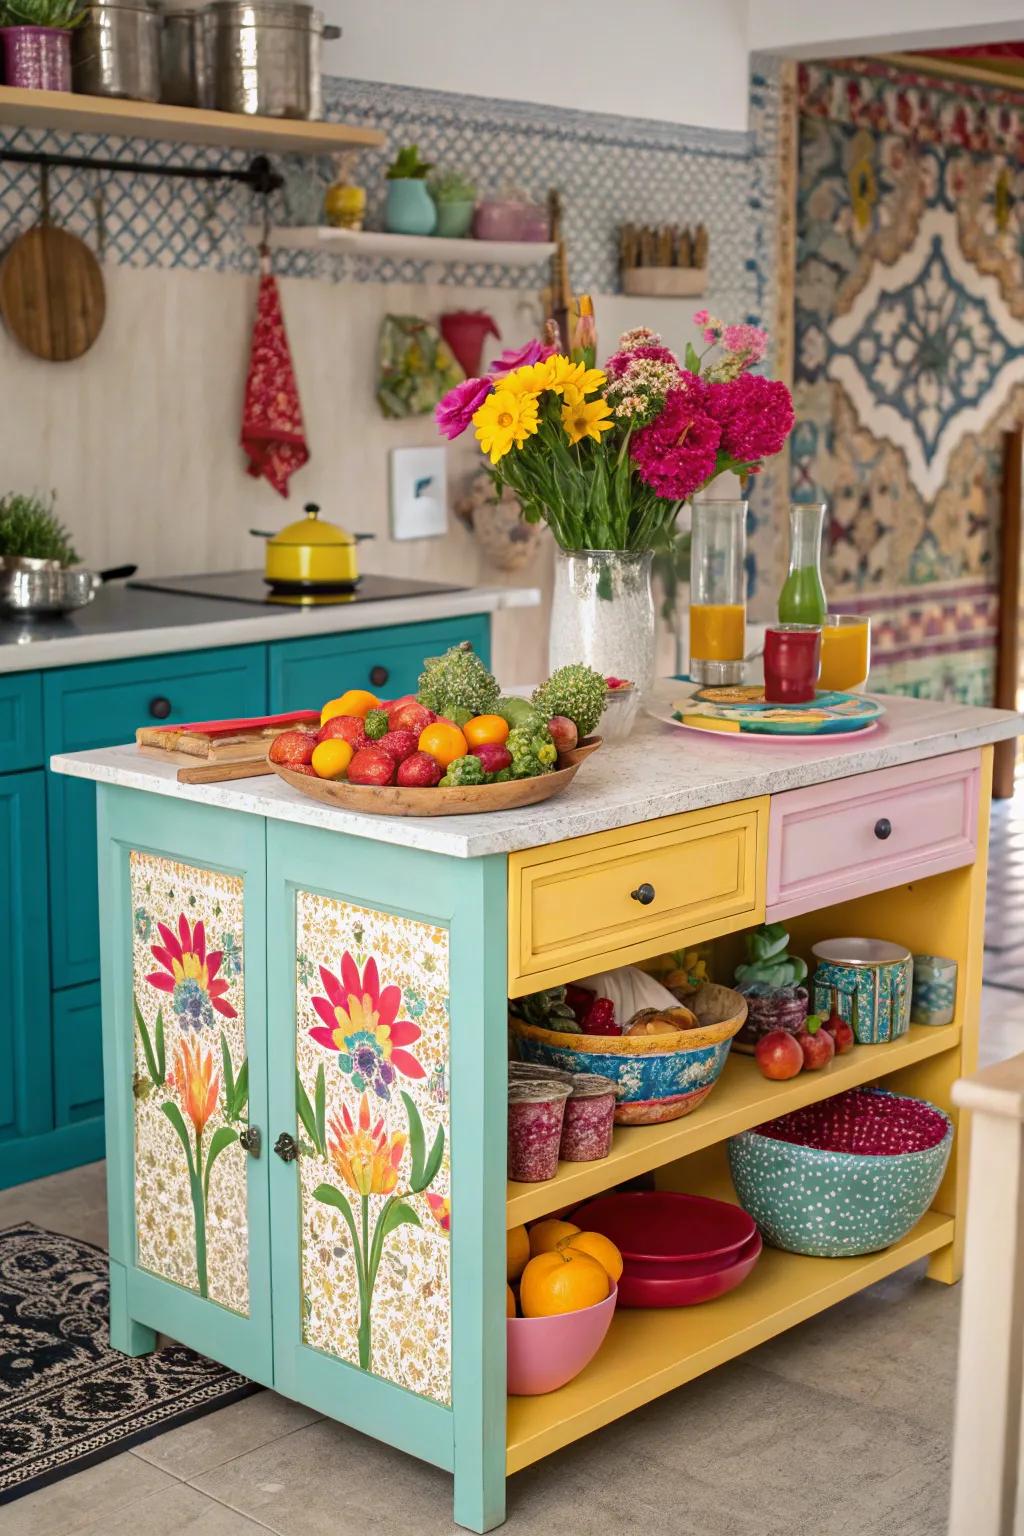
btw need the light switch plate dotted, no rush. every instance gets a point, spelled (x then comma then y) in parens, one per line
(419, 493)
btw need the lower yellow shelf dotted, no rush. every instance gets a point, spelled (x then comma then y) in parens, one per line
(649, 1352)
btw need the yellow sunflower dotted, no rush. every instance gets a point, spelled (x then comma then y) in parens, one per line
(504, 419)
(528, 380)
(585, 418)
(562, 374)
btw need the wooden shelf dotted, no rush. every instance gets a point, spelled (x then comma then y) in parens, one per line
(66, 112)
(373, 242)
(649, 1352)
(740, 1099)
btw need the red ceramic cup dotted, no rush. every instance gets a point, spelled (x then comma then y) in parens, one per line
(792, 661)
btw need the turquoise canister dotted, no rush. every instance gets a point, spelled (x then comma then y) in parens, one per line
(934, 999)
(871, 981)
(410, 209)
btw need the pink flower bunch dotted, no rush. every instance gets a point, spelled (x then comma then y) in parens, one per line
(639, 336)
(620, 363)
(755, 416)
(748, 342)
(454, 412)
(711, 328)
(677, 452)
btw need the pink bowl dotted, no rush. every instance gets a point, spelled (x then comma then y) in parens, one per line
(666, 1231)
(689, 1289)
(546, 1352)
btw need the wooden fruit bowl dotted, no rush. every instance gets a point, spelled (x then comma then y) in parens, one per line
(463, 800)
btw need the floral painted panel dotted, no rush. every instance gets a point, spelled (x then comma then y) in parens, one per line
(372, 1055)
(191, 1077)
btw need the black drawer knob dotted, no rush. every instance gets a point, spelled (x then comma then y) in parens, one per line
(286, 1147)
(379, 676)
(159, 707)
(644, 894)
(251, 1140)
(883, 828)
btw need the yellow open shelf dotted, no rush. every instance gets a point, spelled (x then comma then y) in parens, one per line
(740, 1099)
(649, 1352)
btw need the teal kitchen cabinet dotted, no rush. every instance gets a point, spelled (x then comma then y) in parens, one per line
(305, 673)
(21, 722)
(96, 706)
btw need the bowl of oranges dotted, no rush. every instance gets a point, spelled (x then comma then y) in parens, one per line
(559, 1300)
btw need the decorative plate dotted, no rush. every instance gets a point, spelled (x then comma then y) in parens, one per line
(830, 714)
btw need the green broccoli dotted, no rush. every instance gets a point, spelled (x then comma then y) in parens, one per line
(533, 752)
(463, 770)
(456, 681)
(576, 691)
(376, 723)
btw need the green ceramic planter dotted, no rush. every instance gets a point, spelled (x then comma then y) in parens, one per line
(833, 1204)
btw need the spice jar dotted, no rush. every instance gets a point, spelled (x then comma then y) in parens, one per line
(934, 994)
(535, 1069)
(536, 1109)
(589, 1116)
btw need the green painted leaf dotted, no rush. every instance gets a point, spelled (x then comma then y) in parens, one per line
(328, 1195)
(229, 1073)
(153, 1065)
(417, 1143)
(320, 1110)
(400, 1214)
(161, 1057)
(241, 1097)
(223, 1137)
(434, 1160)
(176, 1118)
(305, 1110)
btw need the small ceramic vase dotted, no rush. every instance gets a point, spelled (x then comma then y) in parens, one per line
(454, 220)
(410, 209)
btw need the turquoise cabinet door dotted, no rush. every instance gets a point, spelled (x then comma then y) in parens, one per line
(21, 722)
(26, 1099)
(305, 673)
(77, 1055)
(184, 1057)
(100, 705)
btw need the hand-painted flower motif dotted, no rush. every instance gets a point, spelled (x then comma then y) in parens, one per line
(367, 1158)
(190, 975)
(196, 1083)
(441, 1210)
(360, 1022)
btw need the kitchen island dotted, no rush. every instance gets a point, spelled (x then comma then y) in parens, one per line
(305, 1045)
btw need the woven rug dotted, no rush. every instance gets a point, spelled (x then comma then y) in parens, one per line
(67, 1399)
(1004, 907)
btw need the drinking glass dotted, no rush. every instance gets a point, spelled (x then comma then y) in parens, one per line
(845, 652)
(718, 592)
(792, 656)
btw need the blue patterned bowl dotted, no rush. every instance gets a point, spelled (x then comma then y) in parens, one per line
(858, 1173)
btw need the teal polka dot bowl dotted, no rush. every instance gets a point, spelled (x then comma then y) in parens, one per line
(848, 1176)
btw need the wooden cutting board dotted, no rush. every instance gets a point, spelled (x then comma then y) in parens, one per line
(51, 293)
(212, 751)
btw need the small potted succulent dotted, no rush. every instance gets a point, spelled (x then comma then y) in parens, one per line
(455, 196)
(37, 42)
(410, 208)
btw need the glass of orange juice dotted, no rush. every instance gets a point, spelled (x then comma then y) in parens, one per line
(718, 592)
(845, 652)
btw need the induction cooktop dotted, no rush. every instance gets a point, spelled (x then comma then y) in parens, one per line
(250, 587)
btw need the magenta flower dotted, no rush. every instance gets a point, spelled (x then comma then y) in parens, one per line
(619, 362)
(747, 341)
(678, 452)
(532, 351)
(755, 416)
(454, 412)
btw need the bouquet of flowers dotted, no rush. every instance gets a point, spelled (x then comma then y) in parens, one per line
(606, 456)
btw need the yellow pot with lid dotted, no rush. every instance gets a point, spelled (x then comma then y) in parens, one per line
(311, 552)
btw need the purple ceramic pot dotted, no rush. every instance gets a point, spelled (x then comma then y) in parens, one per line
(37, 58)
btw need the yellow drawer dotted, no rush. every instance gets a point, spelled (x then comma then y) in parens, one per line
(572, 907)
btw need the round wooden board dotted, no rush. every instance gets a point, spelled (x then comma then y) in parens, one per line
(391, 800)
(51, 293)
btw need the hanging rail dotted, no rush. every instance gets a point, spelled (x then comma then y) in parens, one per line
(259, 174)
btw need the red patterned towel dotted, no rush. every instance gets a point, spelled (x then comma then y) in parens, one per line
(272, 430)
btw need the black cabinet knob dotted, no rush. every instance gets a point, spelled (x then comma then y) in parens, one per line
(644, 894)
(379, 676)
(286, 1147)
(883, 828)
(159, 707)
(251, 1140)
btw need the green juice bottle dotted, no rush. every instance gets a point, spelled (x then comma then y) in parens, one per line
(802, 599)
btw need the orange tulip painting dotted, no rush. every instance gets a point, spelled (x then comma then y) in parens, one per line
(368, 1160)
(196, 1083)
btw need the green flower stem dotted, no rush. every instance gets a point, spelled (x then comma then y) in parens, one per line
(365, 1286)
(199, 1211)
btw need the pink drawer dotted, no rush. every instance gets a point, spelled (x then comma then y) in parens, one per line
(836, 841)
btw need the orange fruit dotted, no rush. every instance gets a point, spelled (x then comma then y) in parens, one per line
(332, 757)
(596, 1246)
(517, 1252)
(484, 729)
(546, 1235)
(559, 1282)
(510, 1302)
(357, 701)
(444, 741)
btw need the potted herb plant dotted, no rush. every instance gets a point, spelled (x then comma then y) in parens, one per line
(31, 530)
(37, 42)
(410, 208)
(455, 197)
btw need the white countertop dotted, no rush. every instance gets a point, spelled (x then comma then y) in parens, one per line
(128, 622)
(660, 770)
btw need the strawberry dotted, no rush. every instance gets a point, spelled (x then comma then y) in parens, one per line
(398, 744)
(420, 771)
(292, 747)
(371, 766)
(349, 727)
(409, 715)
(305, 768)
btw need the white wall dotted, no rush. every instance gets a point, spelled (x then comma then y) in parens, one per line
(683, 61)
(810, 28)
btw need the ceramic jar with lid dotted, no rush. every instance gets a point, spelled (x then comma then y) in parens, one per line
(872, 980)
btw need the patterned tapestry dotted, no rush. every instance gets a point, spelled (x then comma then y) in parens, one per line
(909, 357)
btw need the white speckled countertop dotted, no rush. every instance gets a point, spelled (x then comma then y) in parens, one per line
(660, 770)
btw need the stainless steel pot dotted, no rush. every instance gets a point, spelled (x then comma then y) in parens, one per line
(186, 73)
(116, 50)
(45, 586)
(266, 57)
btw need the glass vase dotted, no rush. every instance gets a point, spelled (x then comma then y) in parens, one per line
(602, 613)
(718, 592)
(802, 599)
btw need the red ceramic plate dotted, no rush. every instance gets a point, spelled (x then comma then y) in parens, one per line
(687, 1290)
(657, 1228)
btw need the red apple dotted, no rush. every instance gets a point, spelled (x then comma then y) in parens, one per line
(398, 744)
(493, 755)
(293, 747)
(842, 1033)
(409, 715)
(816, 1043)
(563, 732)
(371, 766)
(420, 771)
(777, 1053)
(349, 727)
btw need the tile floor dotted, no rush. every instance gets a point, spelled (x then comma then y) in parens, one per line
(842, 1425)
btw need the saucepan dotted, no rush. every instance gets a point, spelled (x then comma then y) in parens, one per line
(45, 586)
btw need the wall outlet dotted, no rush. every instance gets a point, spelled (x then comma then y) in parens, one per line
(419, 493)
